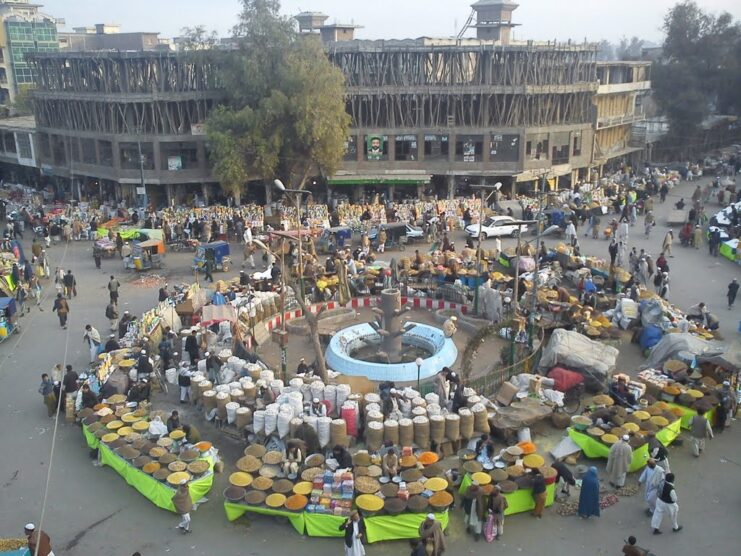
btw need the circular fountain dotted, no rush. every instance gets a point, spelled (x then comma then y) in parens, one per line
(388, 348)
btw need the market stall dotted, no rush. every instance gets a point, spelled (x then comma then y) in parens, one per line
(154, 467)
(518, 501)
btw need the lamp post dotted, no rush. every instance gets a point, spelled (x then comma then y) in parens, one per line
(534, 300)
(419, 362)
(484, 188)
(296, 201)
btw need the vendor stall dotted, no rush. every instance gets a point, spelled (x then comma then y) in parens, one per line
(519, 501)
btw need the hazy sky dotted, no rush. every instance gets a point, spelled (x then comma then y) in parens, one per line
(540, 19)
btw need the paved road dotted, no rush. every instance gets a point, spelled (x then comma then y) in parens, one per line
(92, 511)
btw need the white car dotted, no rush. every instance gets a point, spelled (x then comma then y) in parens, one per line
(495, 226)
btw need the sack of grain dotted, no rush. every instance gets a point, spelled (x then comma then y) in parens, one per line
(267, 375)
(466, 422)
(422, 432)
(285, 414)
(472, 400)
(349, 413)
(371, 407)
(237, 395)
(343, 392)
(419, 402)
(330, 395)
(306, 392)
(322, 430)
(406, 432)
(391, 431)
(433, 409)
(258, 421)
(452, 427)
(250, 393)
(317, 390)
(372, 397)
(480, 418)
(296, 382)
(209, 400)
(276, 386)
(220, 388)
(437, 428)
(244, 417)
(419, 410)
(271, 420)
(374, 436)
(311, 421)
(374, 415)
(432, 398)
(338, 432)
(296, 422)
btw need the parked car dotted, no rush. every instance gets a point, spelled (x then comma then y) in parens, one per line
(495, 226)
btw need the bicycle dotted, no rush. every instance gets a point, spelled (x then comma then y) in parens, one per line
(572, 399)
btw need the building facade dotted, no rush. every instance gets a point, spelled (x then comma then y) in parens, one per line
(108, 121)
(23, 30)
(107, 36)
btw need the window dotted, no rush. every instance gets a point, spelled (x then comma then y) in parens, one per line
(536, 147)
(179, 156)
(58, 151)
(44, 145)
(560, 150)
(576, 143)
(88, 151)
(130, 156)
(406, 147)
(9, 143)
(436, 147)
(351, 148)
(105, 150)
(24, 145)
(74, 148)
(504, 148)
(469, 148)
(376, 147)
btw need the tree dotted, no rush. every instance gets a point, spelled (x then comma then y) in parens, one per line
(23, 104)
(197, 38)
(629, 50)
(284, 113)
(699, 71)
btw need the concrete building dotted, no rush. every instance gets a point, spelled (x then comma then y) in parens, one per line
(18, 159)
(432, 115)
(107, 36)
(108, 121)
(23, 29)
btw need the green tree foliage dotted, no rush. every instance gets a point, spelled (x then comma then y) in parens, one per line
(699, 71)
(284, 112)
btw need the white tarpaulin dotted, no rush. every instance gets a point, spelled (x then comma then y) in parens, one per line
(671, 344)
(219, 313)
(575, 351)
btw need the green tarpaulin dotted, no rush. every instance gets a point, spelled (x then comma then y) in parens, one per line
(378, 528)
(518, 501)
(593, 448)
(156, 492)
(92, 441)
(688, 414)
(402, 526)
(235, 511)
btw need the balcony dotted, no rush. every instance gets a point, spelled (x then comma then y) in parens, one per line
(623, 119)
(629, 87)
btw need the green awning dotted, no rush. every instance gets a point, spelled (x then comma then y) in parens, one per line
(415, 179)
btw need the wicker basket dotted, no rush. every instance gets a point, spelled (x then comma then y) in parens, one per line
(452, 427)
(467, 423)
(209, 400)
(437, 428)
(422, 432)
(406, 432)
(391, 431)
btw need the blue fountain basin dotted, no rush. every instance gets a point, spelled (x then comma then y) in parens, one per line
(431, 339)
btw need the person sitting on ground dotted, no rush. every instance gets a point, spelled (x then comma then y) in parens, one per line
(390, 464)
(620, 393)
(89, 399)
(317, 408)
(173, 422)
(302, 367)
(295, 453)
(631, 549)
(342, 457)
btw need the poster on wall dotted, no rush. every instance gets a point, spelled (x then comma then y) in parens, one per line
(469, 151)
(374, 147)
(174, 163)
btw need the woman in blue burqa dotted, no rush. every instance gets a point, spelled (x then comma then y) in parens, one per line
(589, 496)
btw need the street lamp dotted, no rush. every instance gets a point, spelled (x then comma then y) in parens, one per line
(296, 203)
(484, 188)
(419, 362)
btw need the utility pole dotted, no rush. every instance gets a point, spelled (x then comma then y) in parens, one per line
(143, 197)
(483, 189)
(534, 300)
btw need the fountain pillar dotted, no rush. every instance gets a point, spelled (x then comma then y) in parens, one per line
(391, 324)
